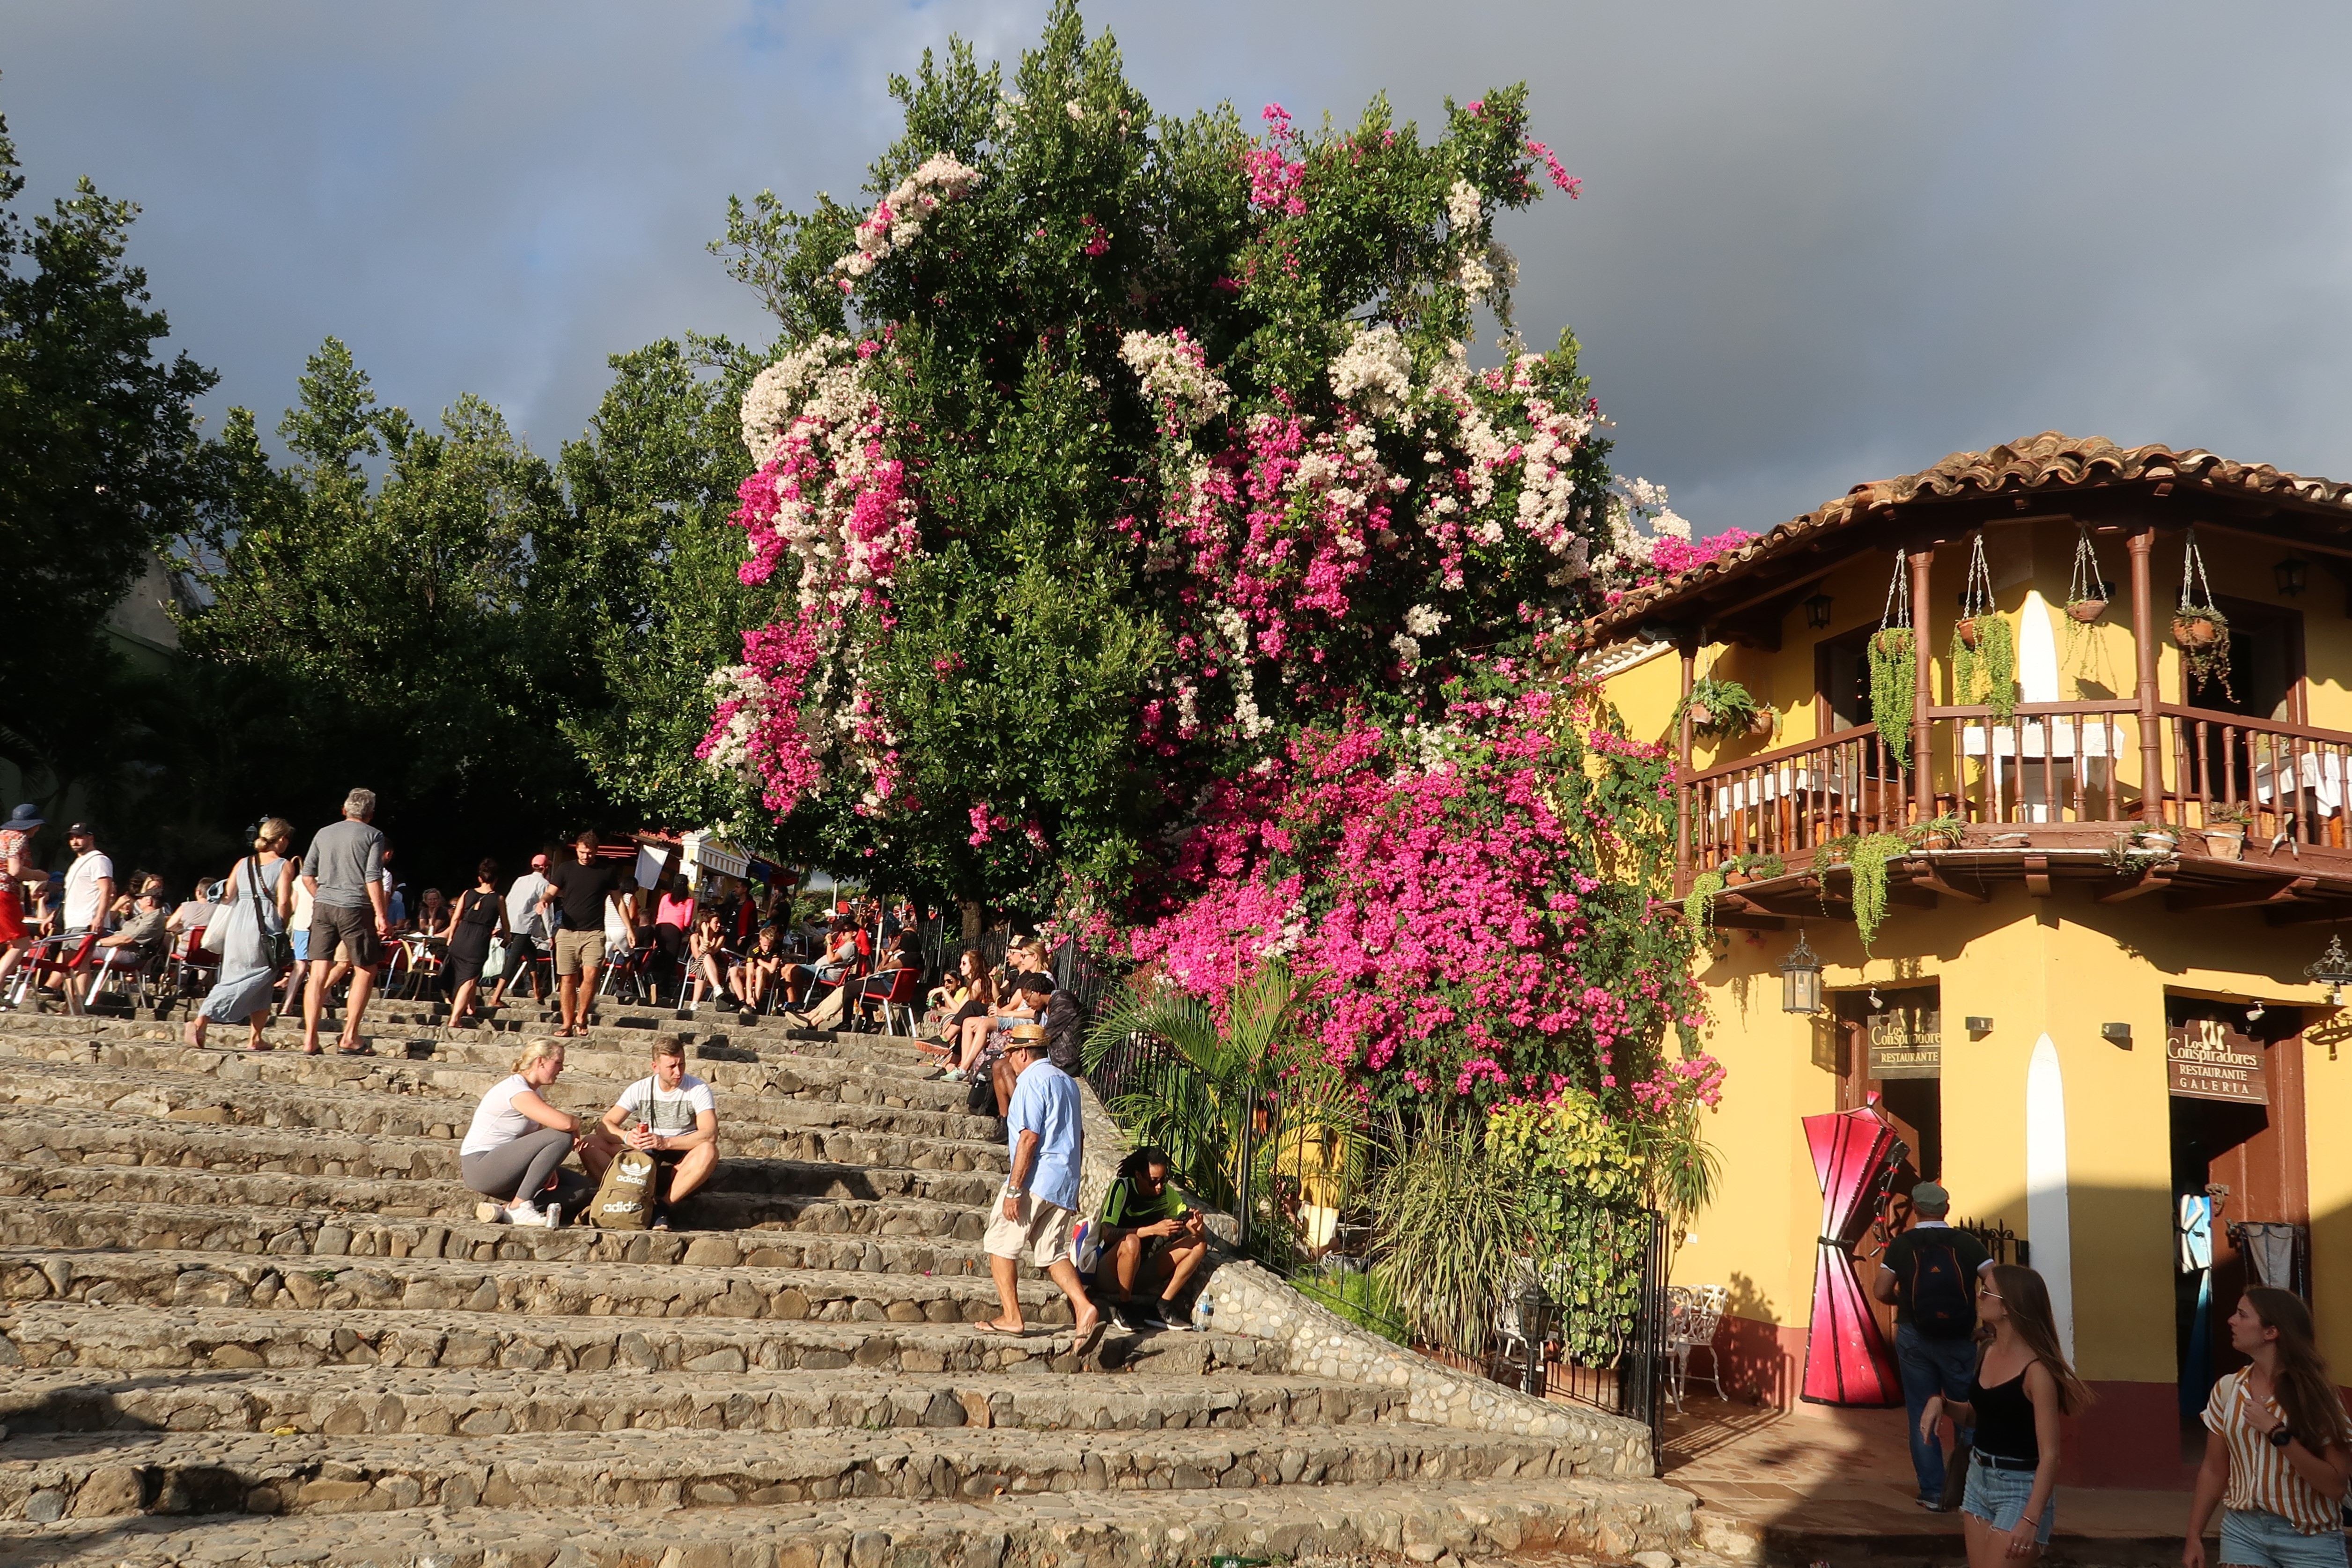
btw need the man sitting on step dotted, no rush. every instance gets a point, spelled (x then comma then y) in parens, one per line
(670, 1115)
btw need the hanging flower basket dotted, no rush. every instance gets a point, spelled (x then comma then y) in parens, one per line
(1762, 724)
(2201, 630)
(2086, 609)
(1968, 632)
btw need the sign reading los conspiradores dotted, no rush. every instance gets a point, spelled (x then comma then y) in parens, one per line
(1907, 1040)
(2205, 1059)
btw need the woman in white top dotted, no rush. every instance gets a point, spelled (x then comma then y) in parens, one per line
(517, 1145)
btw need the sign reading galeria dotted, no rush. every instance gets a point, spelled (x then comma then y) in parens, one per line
(2205, 1059)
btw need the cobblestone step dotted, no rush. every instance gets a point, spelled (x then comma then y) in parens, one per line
(341, 1401)
(223, 1472)
(783, 1194)
(59, 1335)
(713, 1286)
(377, 1098)
(64, 1137)
(1098, 1529)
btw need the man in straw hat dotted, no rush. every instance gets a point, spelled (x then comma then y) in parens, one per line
(1032, 1214)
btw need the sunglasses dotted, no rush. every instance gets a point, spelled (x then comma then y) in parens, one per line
(1989, 1293)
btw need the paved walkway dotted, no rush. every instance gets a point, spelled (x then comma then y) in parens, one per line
(1836, 1485)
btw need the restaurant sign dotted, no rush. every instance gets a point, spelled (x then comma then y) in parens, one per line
(1906, 1040)
(2205, 1059)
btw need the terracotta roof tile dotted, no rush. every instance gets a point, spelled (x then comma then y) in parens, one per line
(2050, 461)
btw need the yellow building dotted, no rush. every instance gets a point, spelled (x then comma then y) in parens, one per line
(2088, 998)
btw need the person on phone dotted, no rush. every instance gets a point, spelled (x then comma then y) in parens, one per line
(671, 1116)
(1151, 1243)
(2278, 1446)
(2020, 1388)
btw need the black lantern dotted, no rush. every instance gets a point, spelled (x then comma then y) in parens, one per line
(2291, 574)
(1817, 611)
(1801, 978)
(2333, 970)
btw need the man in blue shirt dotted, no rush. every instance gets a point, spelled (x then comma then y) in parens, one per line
(1040, 1198)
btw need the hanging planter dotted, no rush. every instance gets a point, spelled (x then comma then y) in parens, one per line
(2200, 630)
(2087, 598)
(1984, 646)
(1895, 667)
(1724, 708)
(2086, 609)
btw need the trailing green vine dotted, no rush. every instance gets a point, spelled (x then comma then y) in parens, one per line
(1867, 866)
(1698, 907)
(1984, 645)
(1893, 691)
(2199, 628)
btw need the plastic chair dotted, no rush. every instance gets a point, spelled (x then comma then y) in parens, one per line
(633, 975)
(194, 970)
(113, 967)
(895, 992)
(1694, 1313)
(43, 962)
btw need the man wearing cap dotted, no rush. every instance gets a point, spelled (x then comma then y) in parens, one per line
(89, 894)
(1928, 1275)
(1033, 1212)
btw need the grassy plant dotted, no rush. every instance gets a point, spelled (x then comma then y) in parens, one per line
(1448, 1225)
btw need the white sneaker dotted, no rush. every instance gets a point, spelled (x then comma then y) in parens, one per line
(488, 1213)
(525, 1214)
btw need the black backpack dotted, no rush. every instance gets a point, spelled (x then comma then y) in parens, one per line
(1942, 1297)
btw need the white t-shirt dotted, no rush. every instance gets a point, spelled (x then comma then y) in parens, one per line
(496, 1121)
(672, 1112)
(82, 910)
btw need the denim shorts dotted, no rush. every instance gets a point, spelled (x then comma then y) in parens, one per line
(1999, 1498)
(2259, 1539)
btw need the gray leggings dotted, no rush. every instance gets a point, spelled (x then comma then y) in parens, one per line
(517, 1172)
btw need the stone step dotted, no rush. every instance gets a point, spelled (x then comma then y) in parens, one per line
(62, 1137)
(714, 1285)
(265, 1473)
(789, 1076)
(58, 1335)
(378, 1099)
(1610, 1519)
(789, 1194)
(484, 1403)
(293, 1233)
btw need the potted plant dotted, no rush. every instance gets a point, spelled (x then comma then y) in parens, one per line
(1762, 867)
(2088, 594)
(1866, 864)
(1763, 724)
(1723, 708)
(1836, 850)
(2225, 831)
(2198, 628)
(2090, 609)
(1938, 832)
(1894, 674)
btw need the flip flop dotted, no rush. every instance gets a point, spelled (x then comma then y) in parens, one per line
(986, 1326)
(1089, 1335)
(354, 1050)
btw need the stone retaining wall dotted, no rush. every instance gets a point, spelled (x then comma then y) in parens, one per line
(1244, 1296)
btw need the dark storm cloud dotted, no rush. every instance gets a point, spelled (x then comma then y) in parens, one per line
(1818, 244)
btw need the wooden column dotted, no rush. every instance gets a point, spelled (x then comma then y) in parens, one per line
(1923, 753)
(2151, 738)
(1690, 649)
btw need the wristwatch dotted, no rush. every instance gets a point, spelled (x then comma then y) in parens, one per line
(2280, 1437)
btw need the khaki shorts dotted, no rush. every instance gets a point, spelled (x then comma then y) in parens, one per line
(577, 952)
(339, 930)
(1043, 1229)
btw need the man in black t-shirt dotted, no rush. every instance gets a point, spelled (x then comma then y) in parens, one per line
(580, 891)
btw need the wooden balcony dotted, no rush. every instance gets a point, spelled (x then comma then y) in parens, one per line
(2056, 775)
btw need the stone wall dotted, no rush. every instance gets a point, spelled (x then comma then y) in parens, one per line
(1243, 1297)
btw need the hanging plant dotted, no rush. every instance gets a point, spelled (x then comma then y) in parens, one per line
(1722, 708)
(2087, 598)
(2198, 628)
(1895, 667)
(1984, 646)
(1867, 866)
(1698, 905)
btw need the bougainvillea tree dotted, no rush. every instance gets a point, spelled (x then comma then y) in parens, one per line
(1145, 547)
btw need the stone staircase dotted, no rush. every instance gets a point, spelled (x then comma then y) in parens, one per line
(249, 1317)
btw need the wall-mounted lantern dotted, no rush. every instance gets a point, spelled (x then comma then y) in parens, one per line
(2333, 970)
(1801, 978)
(1817, 611)
(2292, 574)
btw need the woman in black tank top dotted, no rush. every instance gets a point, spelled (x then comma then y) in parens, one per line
(2023, 1386)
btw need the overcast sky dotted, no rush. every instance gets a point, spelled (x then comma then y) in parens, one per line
(1818, 243)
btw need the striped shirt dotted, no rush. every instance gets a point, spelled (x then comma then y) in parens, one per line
(2260, 1476)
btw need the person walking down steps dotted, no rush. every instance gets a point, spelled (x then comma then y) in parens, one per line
(1032, 1214)
(259, 894)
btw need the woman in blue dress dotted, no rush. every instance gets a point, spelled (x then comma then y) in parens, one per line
(256, 897)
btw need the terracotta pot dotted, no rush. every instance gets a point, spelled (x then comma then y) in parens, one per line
(1701, 716)
(1734, 877)
(1969, 635)
(2225, 844)
(2195, 631)
(1761, 726)
(1940, 842)
(2087, 609)
(1893, 640)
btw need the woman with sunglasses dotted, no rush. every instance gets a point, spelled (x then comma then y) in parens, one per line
(2023, 1386)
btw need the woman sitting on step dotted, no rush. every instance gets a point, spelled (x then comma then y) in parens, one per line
(515, 1150)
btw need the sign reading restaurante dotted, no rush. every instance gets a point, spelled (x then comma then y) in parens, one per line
(2207, 1060)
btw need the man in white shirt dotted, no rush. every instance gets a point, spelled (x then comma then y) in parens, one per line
(669, 1115)
(89, 894)
(526, 932)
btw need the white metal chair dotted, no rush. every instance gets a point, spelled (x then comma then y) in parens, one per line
(1694, 1313)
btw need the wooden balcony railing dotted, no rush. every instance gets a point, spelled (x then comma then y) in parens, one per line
(2079, 762)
